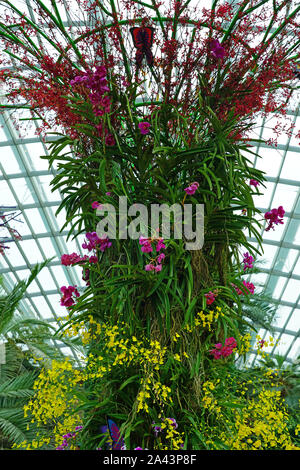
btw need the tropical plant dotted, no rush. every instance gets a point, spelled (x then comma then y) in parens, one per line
(24, 338)
(14, 394)
(163, 119)
(24, 328)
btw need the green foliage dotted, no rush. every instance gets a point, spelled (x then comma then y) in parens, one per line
(23, 337)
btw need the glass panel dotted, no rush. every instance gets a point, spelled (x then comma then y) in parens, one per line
(276, 285)
(9, 281)
(60, 276)
(67, 351)
(45, 193)
(259, 281)
(268, 256)
(14, 256)
(34, 151)
(32, 251)
(250, 360)
(283, 344)
(46, 280)
(297, 206)
(292, 291)
(24, 190)
(20, 4)
(3, 263)
(42, 307)
(264, 200)
(294, 321)
(36, 221)
(6, 194)
(75, 247)
(297, 268)
(9, 161)
(285, 259)
(47, 246)
(59, 219)
(277, 233)
(295, 350)
(291, 166)
(77, 274)
(285, 195)
(3, 137)
(22, 226)
(281, 316)
(293, 232)
(54, 300)
(26, 304)
(270, 161)
(24, 274)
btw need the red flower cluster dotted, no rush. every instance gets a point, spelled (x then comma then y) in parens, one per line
(255, 77)
(93, 243)
(210, 297)
(248, 261)
(73, 258)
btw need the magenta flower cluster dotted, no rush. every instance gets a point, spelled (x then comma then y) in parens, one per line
(224, 351)
(254, 183)
(67, 437)
(144, 127)
(248, 261)
(94, 242)
(146, 247)
(96, 205)
(217, 51)
(69, 295)
(274, 217)
(190, 190)
(248, 285)
(97, 83)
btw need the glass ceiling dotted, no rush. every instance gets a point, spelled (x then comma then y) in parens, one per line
(280, 271)
(25, 184)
